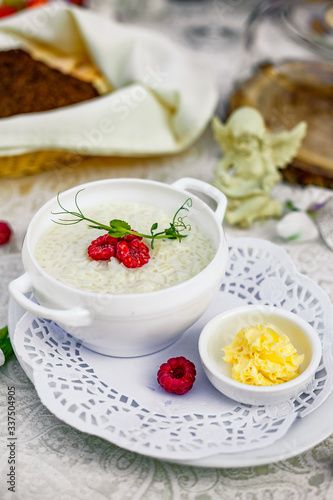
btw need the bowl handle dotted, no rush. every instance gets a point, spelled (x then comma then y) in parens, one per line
(71, 317)
(206, 189)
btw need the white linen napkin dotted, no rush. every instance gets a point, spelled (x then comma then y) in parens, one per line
(162, 100)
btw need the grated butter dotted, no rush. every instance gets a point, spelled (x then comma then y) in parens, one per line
(262, 356)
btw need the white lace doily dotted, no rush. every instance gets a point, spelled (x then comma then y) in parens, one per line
(120, 400)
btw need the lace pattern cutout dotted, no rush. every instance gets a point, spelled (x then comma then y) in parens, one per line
(80, 388)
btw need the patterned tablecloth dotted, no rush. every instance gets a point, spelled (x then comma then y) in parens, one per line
(54, 460)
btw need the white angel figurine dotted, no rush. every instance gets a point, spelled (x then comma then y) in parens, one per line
(250, 166)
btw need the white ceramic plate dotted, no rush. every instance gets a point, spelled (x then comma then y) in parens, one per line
(304, 433)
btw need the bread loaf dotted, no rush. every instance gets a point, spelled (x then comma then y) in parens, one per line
(28, 86)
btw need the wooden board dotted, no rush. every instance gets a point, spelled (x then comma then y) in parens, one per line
(287, 94)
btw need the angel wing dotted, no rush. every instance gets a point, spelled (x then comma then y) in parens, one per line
(284, 145)
(222, 135)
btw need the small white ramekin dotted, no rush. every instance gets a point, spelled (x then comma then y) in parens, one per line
(221, 330)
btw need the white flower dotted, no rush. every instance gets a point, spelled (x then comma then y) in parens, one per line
(297, 226)
(305, 205)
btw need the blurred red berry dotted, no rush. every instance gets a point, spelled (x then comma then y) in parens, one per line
(5, 233)
(177, 375)
(77, 2)
(7, 10)
(35, 3)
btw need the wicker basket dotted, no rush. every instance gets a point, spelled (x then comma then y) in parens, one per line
(37, 161)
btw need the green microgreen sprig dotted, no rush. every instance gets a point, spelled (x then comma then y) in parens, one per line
(120, 228)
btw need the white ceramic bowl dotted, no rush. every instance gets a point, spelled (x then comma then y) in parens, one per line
(221, 330)
(133, 324)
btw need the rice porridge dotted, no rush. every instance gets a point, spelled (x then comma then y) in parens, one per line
(62, 252)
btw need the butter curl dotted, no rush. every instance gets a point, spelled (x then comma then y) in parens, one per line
(262, 355)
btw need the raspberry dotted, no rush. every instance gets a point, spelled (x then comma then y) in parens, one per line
(5, 233)
(132, 253)
(177, 375)
(129, 250)
(103, 248)
(130, 237)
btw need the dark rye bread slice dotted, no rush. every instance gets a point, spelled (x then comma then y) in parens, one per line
(28, 86)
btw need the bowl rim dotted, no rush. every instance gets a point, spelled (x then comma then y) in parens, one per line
(295, 383)
(220, 249)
